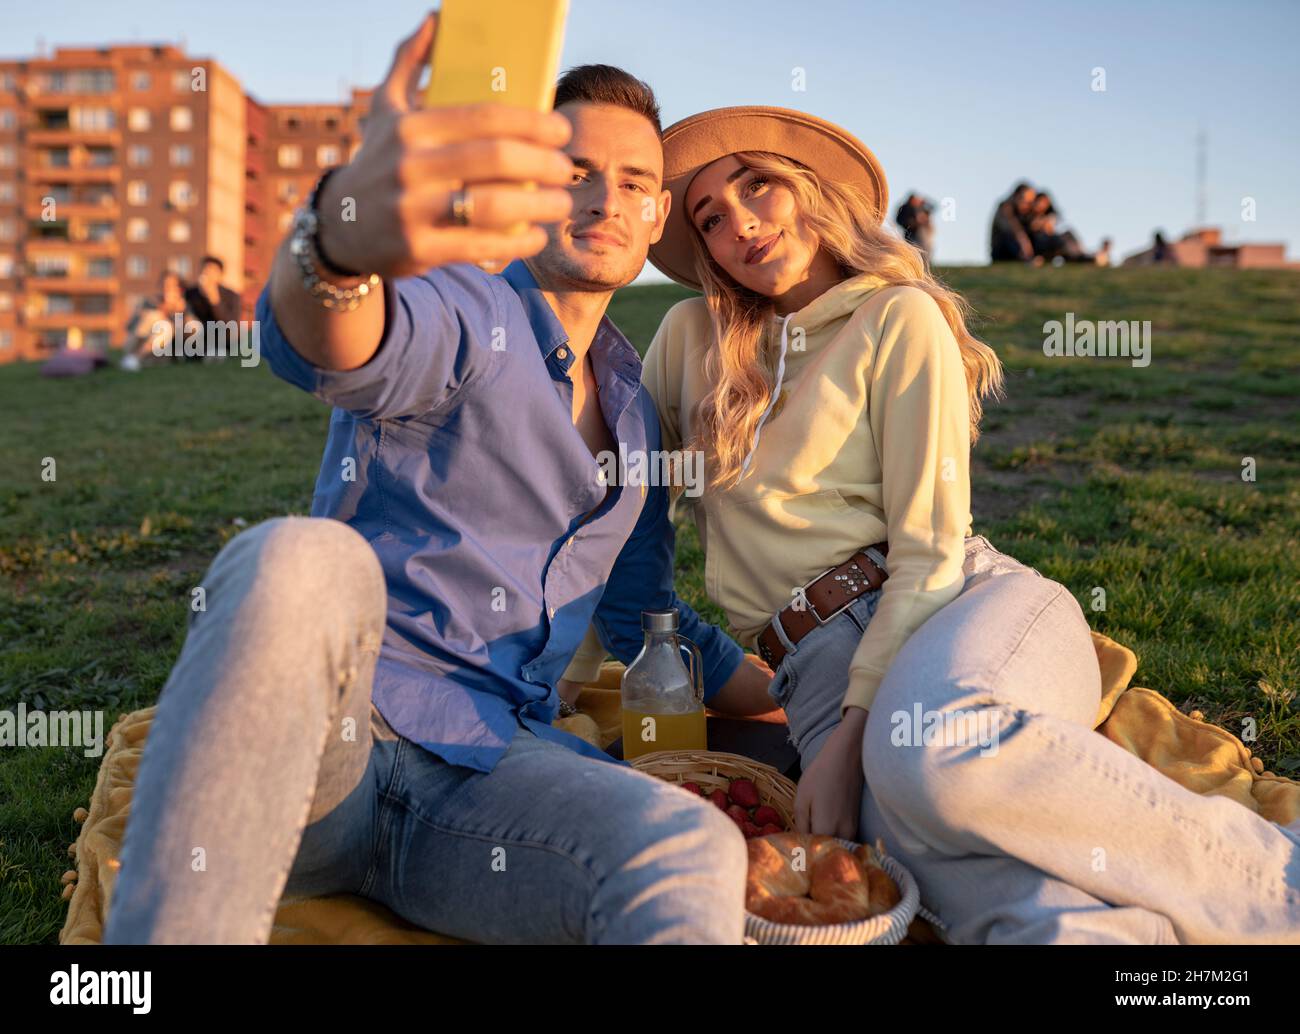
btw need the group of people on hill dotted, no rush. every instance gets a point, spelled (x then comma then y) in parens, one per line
(1024, 230)
(152, 325)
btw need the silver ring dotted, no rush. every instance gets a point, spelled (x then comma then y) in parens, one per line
(462, 207)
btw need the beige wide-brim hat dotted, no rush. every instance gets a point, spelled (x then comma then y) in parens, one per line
(689, 145)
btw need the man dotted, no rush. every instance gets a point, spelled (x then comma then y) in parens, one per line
(418, 751)
(1009, 238)
(208, 299)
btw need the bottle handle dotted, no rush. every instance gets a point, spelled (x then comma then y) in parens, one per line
(696, 667)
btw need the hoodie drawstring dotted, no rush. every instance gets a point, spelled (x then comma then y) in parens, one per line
(776, 394)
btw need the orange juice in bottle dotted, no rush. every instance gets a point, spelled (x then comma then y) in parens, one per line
(663, 699)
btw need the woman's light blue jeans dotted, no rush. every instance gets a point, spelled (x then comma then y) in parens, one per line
(268, 770)
(1021, 824)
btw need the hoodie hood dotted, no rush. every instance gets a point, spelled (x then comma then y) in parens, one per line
(841, 300)
(831, 305)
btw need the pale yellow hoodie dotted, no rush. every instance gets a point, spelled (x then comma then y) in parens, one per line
(868, 440)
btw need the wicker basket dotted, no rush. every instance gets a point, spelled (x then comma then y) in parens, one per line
(713, 770)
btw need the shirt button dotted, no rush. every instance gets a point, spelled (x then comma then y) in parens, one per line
(562, 353)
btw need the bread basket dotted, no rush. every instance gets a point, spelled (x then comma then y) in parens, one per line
(713, 770)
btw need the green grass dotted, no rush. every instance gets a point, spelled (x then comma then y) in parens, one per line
(1097, 473)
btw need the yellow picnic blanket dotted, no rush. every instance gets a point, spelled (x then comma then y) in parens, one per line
(1202, 757)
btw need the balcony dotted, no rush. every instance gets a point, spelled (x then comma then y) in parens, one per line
(67, 320)
(67, 137)
(74, 173)
(73, 209)
(73, 284)
(47, 246)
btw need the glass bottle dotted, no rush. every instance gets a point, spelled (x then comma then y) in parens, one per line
(663, 699)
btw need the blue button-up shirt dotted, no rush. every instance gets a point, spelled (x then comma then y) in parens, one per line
(452, 451)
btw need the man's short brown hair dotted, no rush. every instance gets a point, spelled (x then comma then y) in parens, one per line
(605, 84)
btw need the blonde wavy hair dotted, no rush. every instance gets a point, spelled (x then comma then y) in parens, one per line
(840, 215)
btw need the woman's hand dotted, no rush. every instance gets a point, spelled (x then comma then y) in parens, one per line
(828, 798)
(568, 691)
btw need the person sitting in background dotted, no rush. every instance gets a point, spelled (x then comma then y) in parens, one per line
(913, 217)
(154, 320)
(208, 299)
(1051, 246)
(1009, 240)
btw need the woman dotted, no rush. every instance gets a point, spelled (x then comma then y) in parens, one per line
(835, 390)
(1050, 245)
(153, 323)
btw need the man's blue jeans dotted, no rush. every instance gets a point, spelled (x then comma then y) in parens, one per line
(268, 771)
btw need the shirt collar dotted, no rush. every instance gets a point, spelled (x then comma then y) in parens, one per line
(611, 352)
(546, 326)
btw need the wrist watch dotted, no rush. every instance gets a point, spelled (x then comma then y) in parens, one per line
(304, 245)
(567, 710)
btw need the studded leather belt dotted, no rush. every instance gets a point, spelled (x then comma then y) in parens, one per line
(827, 595)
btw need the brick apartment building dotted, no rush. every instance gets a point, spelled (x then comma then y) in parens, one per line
(120, 163)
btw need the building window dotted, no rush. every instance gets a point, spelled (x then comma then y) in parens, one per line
(290, 122)
(289, 156)
(100, 157)
(137, 192)
(6, 302)
(6, 267)
(8, 193)
(288, 191)
(99, 231)
(6, 340)
(181, 154)
(137, 120)
(180, 265)
(137, 155)
(91, 120)
(52, 265)
(285, 221)
(182, 80)
(330, 123)
(58, 304)
(179, 231)
(180, 194)
(181, 119)
(8, 118)
(327, 156)
(8, 156)
(8, 229)
(99, 268)
(137, 230)
(141, 81)
(137, 267)
(96, 81)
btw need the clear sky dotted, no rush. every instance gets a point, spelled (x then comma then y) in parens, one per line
(957, 100)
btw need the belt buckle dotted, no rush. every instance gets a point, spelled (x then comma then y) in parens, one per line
(843, 606)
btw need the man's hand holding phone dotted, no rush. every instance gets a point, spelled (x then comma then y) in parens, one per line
(404, 181)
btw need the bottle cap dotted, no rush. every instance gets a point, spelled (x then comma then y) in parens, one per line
(659, 620)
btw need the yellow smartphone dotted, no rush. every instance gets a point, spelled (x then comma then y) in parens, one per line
(497, 51)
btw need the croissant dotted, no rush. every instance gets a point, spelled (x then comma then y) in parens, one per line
(812, 881)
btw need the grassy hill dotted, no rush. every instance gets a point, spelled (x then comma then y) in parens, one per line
(1097, 473)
